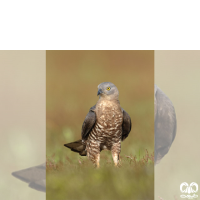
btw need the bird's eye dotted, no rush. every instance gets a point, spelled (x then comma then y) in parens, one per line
(108, 88)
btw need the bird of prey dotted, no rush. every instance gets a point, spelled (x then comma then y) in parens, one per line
(105, 126)
(164, 124)
(34, 176)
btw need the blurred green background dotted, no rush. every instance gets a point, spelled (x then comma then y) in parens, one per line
(71, 86)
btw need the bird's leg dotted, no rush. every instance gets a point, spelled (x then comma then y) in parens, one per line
(97, 160)
(93, 152)
(116, 148)
(115, 158)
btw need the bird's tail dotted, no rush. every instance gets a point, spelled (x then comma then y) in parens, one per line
(77, 146)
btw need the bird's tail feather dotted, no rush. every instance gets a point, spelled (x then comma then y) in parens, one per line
(77, 146)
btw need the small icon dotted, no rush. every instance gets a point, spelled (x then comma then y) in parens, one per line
(189, 190)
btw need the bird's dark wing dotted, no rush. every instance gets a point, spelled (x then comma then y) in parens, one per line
(35, 176)
(126, 126)
(88, 123)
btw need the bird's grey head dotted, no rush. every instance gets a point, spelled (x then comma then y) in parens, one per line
(108, 90)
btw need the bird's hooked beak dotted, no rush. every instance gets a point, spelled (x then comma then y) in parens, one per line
(99, 91)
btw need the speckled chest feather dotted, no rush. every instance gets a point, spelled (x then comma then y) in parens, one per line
(108, 127)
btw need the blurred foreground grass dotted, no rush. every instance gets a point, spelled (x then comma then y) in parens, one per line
(78, 179)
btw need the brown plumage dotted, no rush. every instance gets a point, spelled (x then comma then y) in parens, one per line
(104, 127)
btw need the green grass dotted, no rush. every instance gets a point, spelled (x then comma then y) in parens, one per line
(79, 179)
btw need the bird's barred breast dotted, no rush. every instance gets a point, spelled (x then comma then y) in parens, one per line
(108, 127)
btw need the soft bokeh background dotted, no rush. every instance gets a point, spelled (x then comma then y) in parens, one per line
(22, 120)
(72, 80)
(177, 73)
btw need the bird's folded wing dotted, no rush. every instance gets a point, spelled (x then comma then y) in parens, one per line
(126, 126)
(88, 123)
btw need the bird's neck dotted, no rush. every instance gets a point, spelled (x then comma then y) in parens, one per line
(107, 100)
